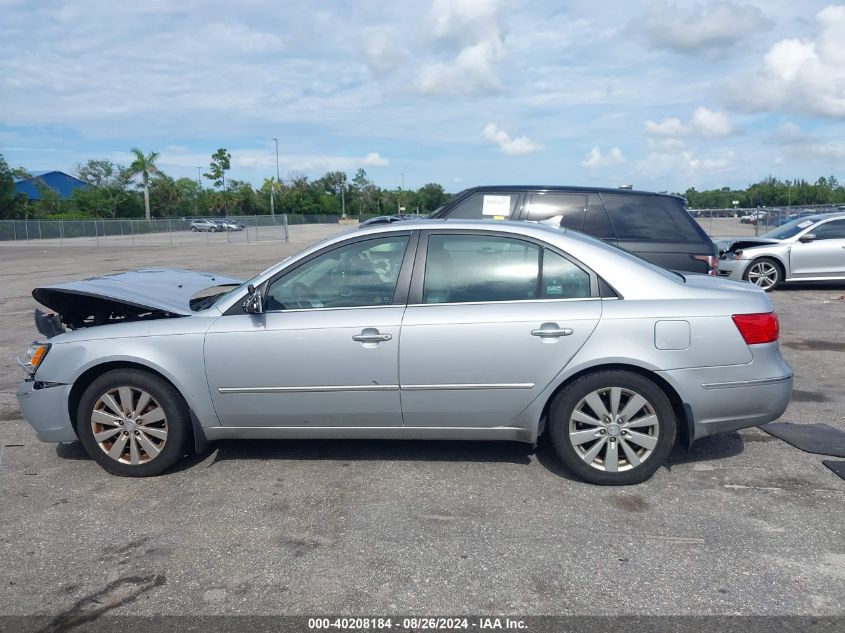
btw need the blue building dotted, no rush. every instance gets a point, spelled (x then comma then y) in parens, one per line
(60, 182)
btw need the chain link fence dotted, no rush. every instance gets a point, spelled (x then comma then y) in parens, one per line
(760, 220)
(254, 228)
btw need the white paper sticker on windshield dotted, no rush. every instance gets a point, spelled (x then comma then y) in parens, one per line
(496, 205)
(804, 224)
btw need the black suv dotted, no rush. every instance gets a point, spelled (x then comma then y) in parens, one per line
(655, 226)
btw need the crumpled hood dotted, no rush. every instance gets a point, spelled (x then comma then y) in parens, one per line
(725, 244)
(152, 288)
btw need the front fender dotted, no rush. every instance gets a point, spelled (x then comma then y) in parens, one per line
(178, 358)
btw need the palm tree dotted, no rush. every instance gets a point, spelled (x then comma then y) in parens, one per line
(144, 166)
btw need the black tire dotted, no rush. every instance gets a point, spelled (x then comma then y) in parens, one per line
(774, 279)
(560, 424)
(177, 422)
(194, 229)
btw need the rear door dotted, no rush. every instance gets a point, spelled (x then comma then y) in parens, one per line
(658, 229)
(485, 332)
(822, 257)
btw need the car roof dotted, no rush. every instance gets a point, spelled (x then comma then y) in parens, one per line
(569, 189)
(822, 216)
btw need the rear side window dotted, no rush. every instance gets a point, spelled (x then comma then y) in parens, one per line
(649, 218)
(562, 279)
(486, 206)
(469, 268)
(559, 209)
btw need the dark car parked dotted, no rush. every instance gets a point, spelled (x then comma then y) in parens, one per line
(653, 226)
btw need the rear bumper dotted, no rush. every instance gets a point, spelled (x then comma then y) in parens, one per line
(735, 397)
(46, 410)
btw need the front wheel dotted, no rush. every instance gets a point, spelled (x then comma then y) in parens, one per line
(612, 428)
(194, 229)
(765, 273)
(133, 423)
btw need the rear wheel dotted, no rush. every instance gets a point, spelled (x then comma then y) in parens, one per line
(612, 427)
(765, 273)
(133, 423)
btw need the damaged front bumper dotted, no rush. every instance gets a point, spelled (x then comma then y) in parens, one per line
(45, 407)
(733, 268)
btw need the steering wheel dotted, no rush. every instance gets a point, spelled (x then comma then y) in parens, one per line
(304, 296)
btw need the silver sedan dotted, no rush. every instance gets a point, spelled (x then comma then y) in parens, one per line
(462, 330)
(806, 249)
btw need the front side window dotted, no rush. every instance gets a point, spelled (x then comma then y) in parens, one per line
(559, 209)
(470, 268)
(830, 230)
(358, 274)
(486, 206)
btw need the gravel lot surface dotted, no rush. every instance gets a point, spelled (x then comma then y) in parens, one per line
(741, 524)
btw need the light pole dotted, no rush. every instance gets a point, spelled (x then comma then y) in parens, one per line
(278, 180)
(199, 180)
(342, 197)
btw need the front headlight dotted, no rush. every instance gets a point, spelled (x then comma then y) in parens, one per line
(34, 357)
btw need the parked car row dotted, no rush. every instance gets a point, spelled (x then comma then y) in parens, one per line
(216, 225)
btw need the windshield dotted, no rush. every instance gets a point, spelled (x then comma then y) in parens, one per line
(790, 229)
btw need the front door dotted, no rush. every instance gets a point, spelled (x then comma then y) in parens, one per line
(822, 257)
(488, 333)
(325, 351)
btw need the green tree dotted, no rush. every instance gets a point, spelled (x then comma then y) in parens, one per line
(144, 166)
(430, 197)
(221, 162)
(108, 188)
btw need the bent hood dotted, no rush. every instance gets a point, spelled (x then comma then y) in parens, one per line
(726, 244)
(153, 289)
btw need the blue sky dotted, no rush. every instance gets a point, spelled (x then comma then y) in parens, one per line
(661, 95)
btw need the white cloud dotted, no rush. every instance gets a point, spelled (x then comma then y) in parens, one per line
(596, 160)
(262, 161)
(666, 127)
(450, 18)
(660, 163)
(805, 76)
(474, 26)
(508, 145)
(798, 145)
(710, 123)
(703, 123)
(381, 50)
(707, 27)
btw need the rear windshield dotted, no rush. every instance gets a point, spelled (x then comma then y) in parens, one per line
(650, 218)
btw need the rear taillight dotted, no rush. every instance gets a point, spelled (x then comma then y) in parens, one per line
(712, 263)
(757, 328)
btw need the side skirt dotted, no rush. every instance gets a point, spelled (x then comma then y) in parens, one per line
(501, 433)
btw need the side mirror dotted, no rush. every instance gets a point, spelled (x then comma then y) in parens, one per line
(254, 302)
(809, 237)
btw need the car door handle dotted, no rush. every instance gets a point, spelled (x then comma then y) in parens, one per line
(551, 330)
(371, 335)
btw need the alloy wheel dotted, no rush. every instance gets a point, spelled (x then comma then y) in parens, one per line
(614, 429)
(763, 274)
(129, 425)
